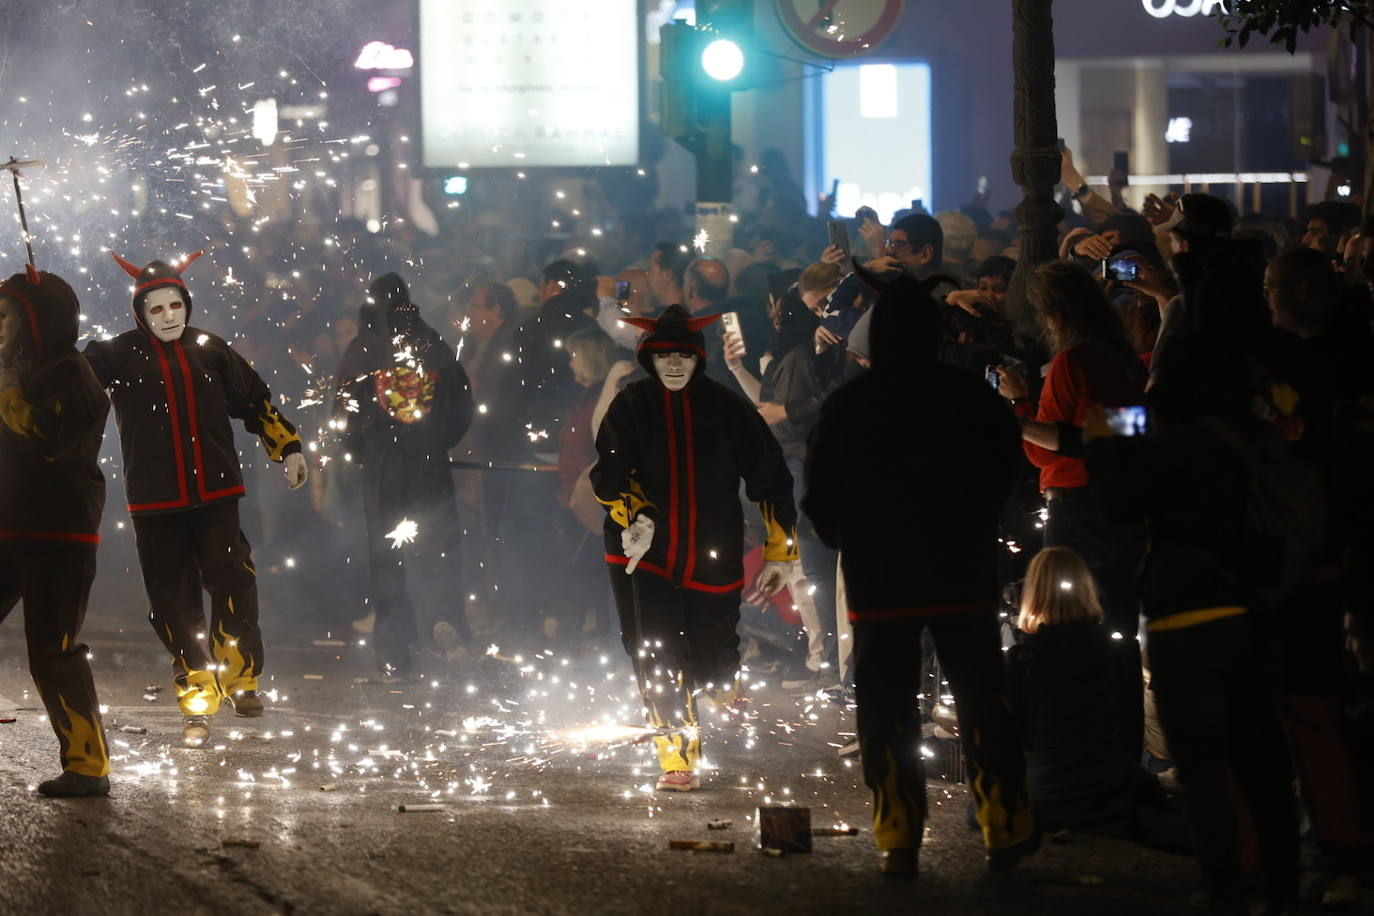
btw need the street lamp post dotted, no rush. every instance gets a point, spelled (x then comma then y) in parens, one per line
(1036, 160)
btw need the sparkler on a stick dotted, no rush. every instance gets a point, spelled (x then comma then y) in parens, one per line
(14, 165)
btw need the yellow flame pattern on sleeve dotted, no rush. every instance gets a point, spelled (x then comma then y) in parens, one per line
(277, 432)
(781, 544)
(626, 506)
(17, 413)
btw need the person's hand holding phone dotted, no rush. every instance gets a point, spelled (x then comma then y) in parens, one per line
(883, 264)
(733, 345)
(1069, 175)
(1012, 385)
(833, 254)
(1148, 281)
(605, 287)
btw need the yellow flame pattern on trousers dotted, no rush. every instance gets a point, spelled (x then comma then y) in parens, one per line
(236, 671)
(681, 751)
(198, 693)
(83, 742)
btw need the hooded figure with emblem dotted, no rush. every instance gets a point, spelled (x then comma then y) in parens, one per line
(52, 420)
(402, 402)
(672, 451)
(175, 389)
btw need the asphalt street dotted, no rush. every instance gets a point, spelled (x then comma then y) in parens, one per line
(545, 802)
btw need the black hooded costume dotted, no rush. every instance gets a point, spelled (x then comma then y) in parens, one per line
(403, 401)
(940, 450)
(678, 457)
(51, 497)
(173, 403)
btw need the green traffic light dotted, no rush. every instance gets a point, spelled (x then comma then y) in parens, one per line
(722, 60)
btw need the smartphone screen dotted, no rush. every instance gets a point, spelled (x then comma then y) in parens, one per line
(1121, 161)
(993, 378)
(1128, 421)
(622, 290)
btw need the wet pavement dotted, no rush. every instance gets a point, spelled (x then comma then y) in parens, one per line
(545, 802)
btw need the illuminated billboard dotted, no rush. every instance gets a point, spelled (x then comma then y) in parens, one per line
(517, 83)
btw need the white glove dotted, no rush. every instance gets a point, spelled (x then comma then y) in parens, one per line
(636, 539)
(296, 470)
(774, 576)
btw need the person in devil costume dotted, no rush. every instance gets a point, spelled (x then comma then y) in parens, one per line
(175, 389)
(402, 401)
(672, 451)
(52, 420)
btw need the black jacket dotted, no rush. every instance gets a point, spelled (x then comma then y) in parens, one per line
(908, 469)
(678, 457)
(173, 403)
(402, 399)
(51, 424)
(548, 390)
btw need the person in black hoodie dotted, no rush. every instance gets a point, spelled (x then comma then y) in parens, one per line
(402, 402)
(942, 453)
(52, 419)
(672, 451)
(174, 389)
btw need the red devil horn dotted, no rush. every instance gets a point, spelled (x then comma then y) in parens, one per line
(32, 273)
(190, 259)
(696, 324)
(644, 324)
(129, 269)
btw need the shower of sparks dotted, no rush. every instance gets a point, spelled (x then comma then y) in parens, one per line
(403, 533)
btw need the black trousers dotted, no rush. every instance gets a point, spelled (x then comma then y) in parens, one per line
(54, 582)
(182, 554)
(1221, 723)
(689, 643)
(415, 582)
(887, 682)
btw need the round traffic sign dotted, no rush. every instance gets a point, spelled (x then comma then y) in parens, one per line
(840, 28)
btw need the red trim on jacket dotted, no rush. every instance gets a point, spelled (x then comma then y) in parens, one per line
(691, 491)
(902, 613)
(616, 559)
(173, 414)
(673, 507)
(205, 495)
(49, 536)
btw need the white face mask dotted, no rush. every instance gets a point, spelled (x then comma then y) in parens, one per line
(675, 369)
(165, 313)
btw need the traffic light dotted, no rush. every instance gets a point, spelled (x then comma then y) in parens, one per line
(727, 28)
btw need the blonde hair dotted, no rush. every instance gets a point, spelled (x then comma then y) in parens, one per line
(820, 275)
(1058, 589)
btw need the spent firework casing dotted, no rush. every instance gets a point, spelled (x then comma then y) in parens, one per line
(834, 831)
(785, 828)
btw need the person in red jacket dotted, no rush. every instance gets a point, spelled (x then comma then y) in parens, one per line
(672, 451)
(175, 388)
(52, 419)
